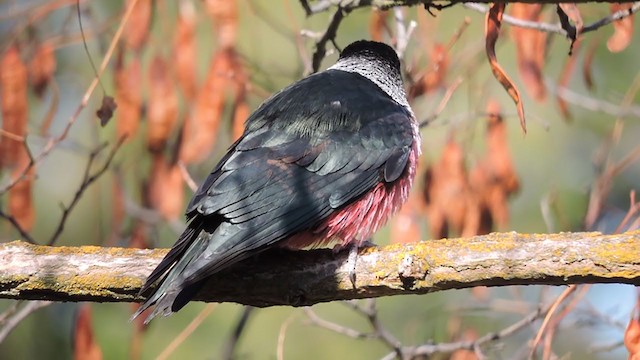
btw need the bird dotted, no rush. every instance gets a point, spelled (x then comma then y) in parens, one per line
(327, 159)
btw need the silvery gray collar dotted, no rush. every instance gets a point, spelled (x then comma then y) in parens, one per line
(380, 72)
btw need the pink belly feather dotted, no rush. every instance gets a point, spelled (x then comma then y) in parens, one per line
(356, 222)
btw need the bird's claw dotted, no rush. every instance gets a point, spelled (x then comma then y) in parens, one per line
(352, 258)
(351, 263)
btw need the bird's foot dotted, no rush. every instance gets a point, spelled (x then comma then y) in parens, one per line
(353, 248)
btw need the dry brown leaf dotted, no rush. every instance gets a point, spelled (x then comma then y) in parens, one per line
(449, 205)
(137, 28)
(85, 346)
(20, 203)
(225, 17)
(13, 91)
(493, 22)
(138, 238)
(165, 188)
(494, 178)
(623, 29)
(128, 94)
(105, 112)
(41, 67)
(438, 68)
(632, 336)
(378, 24)
(184, 44)
(201, 128)
(162, 108)
(530, 49)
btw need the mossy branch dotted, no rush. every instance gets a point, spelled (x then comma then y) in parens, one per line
(282, 277)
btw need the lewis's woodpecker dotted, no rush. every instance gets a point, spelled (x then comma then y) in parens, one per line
(329, 158)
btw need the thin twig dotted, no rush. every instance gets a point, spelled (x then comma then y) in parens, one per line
(282, 335)
(10, 311)
(300, 46)
(184, 334)
(430, 349)
(16, 225)
(59, 41)
(605, 347)
(186, 176)
(403, 32)
(87, 180)
(151, 216)
(13, 321)
(30, 15)
(547, 318)
(555, 322)
(337, 328)
(305, 6)
(634, 207)
(10, 135)
(557, 28)
(381, 332)
(329, 35)
(592, 104)
(86, 48)
(232, 342)
(443, 102)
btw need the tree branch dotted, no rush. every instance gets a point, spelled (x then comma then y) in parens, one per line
(556, 28)
(281, 277)
(320, 6)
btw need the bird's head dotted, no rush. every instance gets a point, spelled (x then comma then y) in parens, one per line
(377, 62)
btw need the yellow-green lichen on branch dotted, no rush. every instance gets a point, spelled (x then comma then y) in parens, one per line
(115, 274)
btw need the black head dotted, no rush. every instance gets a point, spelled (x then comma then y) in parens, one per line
(371, 49)
(378, 63)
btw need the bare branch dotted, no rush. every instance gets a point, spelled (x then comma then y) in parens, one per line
(337, 328)
(187, 331)
(320, 6)
(87, 180)
(403, 32)
(380, 331)
(430, 349)
(228, 352)
(594, 104)
(557, 28)
(16, 225)
(329, 35)
(11, 322)
(300, 278)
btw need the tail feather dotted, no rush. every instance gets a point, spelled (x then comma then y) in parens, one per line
(174, 255)
(168, 276)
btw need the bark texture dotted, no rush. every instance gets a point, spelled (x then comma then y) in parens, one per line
(302, 278)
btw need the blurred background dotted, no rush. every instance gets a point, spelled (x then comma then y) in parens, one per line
(186, 74)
